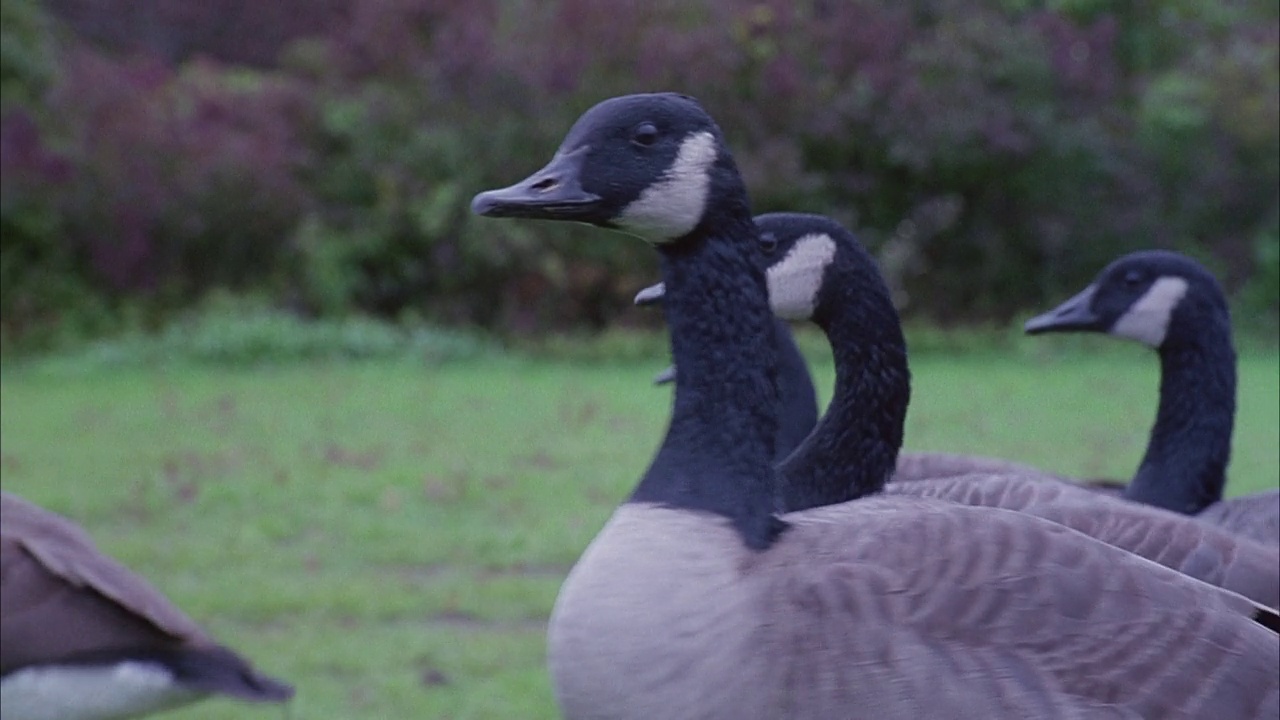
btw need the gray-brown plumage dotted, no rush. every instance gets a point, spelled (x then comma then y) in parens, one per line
(935, 465)
(1193, 548)
(85, 637)
(887, 608)
(1252, 516)
(696, 600)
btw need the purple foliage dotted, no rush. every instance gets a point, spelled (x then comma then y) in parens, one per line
(169, 161)
(1005, 154)
(28, 167)
(233, 31)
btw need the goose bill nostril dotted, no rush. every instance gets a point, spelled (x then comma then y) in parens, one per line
(545, 185)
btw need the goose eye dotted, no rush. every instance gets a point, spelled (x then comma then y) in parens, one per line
(645, 134)
(1133, 278)
(768, 243)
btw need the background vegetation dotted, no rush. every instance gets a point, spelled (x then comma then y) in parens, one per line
(318, 155)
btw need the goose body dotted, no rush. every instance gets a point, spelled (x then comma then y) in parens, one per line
(698, 600)
(844, 618)
(84, 638)
(1194, 548)
(934, 465)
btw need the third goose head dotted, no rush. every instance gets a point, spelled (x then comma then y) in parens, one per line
(1174, 305)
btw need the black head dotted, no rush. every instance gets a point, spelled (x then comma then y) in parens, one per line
(652, 165)
(815, 266)
(1156, 297)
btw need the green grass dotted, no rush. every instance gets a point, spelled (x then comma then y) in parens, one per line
(390, 536)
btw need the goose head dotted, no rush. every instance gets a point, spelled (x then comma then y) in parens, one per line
(1159, 298)
(642, 164)
(1171, 303)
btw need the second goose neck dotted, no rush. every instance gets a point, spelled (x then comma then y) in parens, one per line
(717, 453)
(1184, 468)
(854, 448)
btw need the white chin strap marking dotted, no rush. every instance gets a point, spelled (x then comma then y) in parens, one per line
(1147, 321)
(673, 206)
(795, 280)
(126, 689)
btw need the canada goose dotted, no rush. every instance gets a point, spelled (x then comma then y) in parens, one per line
(797, 398)
(1175, 306)
(853, 450)
(84, 638)
(697, 601)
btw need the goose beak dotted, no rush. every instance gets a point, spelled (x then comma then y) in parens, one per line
(650, 295)
(666, 376)
(1074, 314)
(553, 193)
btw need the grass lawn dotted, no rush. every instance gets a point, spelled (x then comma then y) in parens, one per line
(390, 537)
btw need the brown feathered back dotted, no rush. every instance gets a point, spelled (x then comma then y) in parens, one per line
(935, 465)
(1182, 543)
(1255, 516)
(62, 601)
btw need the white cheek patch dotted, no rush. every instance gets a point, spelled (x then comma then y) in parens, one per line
(125, 689)
(795, 280)
(1147, 321)
(673, 206)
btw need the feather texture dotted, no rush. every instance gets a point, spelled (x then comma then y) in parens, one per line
(851, 615)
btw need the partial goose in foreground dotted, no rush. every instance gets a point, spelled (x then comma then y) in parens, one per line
(84, 638)
(1172, 304)
(697, 601)
(852, 452)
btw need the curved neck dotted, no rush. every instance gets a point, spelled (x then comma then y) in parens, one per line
(1184, 468)
(797, 399)
(717, 454)
(853, 450)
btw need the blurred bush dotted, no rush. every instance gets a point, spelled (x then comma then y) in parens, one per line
(994, 155)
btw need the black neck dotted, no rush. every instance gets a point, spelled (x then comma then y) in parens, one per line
(1185, 465)
(717, 454)
(854, 448)
(797, 400)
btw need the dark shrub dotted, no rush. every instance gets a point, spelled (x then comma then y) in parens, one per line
(994, 155)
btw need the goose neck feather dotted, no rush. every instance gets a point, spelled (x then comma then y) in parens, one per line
(797, 399)
(854, 448)
(1184, 468)
(717, 453)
